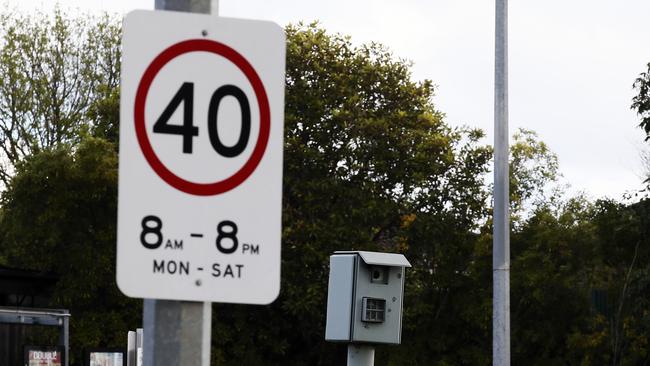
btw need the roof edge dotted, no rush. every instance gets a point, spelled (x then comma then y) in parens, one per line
(379, 258)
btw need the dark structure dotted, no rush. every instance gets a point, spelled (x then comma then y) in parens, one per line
(24, 288)
(23, 293)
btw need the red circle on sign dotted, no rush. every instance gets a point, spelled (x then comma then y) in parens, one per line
(201, 189)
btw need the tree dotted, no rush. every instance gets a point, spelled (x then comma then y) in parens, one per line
(552, 255)
(369, 164)
(625, 251)
(58, 216)
(533, 173)
(56, 76)
(579, 284)
(641, 102)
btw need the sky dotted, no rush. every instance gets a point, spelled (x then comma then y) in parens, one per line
(571, 67)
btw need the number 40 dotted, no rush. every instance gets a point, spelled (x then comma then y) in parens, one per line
(185, 94)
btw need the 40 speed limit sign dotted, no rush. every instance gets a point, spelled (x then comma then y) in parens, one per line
(200, 173)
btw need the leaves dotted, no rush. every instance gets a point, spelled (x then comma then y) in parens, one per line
(369, 164)
(58, 216)
(641, 102)
(56, 73)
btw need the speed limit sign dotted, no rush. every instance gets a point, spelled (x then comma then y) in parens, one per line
(200, 173)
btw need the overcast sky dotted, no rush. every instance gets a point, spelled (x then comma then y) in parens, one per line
(572, 64)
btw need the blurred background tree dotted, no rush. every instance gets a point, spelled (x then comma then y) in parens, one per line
(57, 72)
(370, 164)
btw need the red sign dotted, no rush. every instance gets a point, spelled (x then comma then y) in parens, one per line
(220, 49)
(44, 358)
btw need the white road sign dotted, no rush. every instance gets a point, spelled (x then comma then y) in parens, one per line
(200, 174)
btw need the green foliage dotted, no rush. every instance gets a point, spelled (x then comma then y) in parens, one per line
(627, 261)
(563, 259)
(641, 102)
(56, 76)
(533, 170)
(550, 289)
(58, 216)
(369, 164)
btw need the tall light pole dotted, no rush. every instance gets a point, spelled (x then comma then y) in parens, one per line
(501, 238)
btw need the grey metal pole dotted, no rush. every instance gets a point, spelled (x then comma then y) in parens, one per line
(361, 355)
(190, 6)
(139, 346)
(131, 348)
(65, 337)
(501, 243)
(177, 333)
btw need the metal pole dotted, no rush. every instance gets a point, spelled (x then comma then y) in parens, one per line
(139, 346)
(177, 333)
(65, 338)
(501, 243)
(131, 349)
(361, 355)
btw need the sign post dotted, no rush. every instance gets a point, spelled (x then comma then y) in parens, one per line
(151, 317)
(200, 177)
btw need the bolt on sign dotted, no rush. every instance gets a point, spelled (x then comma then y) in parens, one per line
(200, 172)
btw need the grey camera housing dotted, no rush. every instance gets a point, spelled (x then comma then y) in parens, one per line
(365, 297)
